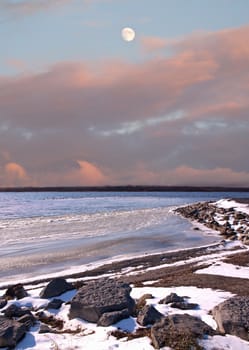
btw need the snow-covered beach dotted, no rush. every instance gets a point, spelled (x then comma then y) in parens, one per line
(206, 276)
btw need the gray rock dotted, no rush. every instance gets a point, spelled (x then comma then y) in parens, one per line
(11, 332)
(184, 305)
(28, 320)
(3, 303)
(109, 318)
(54, 304)
(240, 216)
(45, 329)
(232, 317)
(148, 315)
(172, 298)
(141, 302)
(17, 291)
(16, 311)
(56, 287)
(177, 330)
(99, 297)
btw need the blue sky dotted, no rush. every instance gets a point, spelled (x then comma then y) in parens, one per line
(79, 105)
(86, 30)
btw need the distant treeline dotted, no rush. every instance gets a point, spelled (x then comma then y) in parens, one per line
(128, 188)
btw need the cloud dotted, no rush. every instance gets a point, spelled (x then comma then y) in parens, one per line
(215, 177)
(27, 7)
(15, 174)
(169, 118)
(88, 174)
(153, 43)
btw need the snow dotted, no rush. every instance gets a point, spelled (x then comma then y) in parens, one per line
(228, 270)
(227, 203)
(228, 342)
(89, 336)
(92, 337)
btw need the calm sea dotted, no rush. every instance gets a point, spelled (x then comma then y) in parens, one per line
(43, 232)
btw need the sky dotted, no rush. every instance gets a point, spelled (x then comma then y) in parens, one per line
(81, 106)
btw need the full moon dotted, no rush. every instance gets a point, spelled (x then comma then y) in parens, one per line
(128, 34)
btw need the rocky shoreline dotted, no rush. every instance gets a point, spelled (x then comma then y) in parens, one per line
(108, 295)
(232, 224)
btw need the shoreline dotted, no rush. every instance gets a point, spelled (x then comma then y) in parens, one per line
(149, 260)
(207, 276)
(120, 262)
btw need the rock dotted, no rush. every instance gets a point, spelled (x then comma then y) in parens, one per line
(239, 216)
(142, 300)
(184, 305)
(17, 291)
(172, 298)
(179, 332)
(56, 287)
(148, 315)
(11, 332)
(50, 320)
(54, 304)
(45, 329)
(3, 303)
(231, 316)
(109, 318)
(206, 214)
(99, 297)
(16, 311)
(28, 320)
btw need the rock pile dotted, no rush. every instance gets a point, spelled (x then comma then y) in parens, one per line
(107, 301)
(231, 224)
(15, 321)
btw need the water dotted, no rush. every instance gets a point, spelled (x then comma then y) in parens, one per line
(44, 232)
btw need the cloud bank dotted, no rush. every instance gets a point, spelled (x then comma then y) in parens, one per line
(173, 119)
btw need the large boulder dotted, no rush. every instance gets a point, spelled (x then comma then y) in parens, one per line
(11, 332)
(99, 297)
(179, 332)
(56, 287)
(232, 316)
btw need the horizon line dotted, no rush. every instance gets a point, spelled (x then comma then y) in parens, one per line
(128, 188)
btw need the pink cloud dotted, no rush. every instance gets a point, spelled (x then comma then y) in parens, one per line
(30, 6)
(185, 175)
(135, 121)
(15, 174)
(153, 43)
(90, 174)
(216, 176)
(16, 64)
